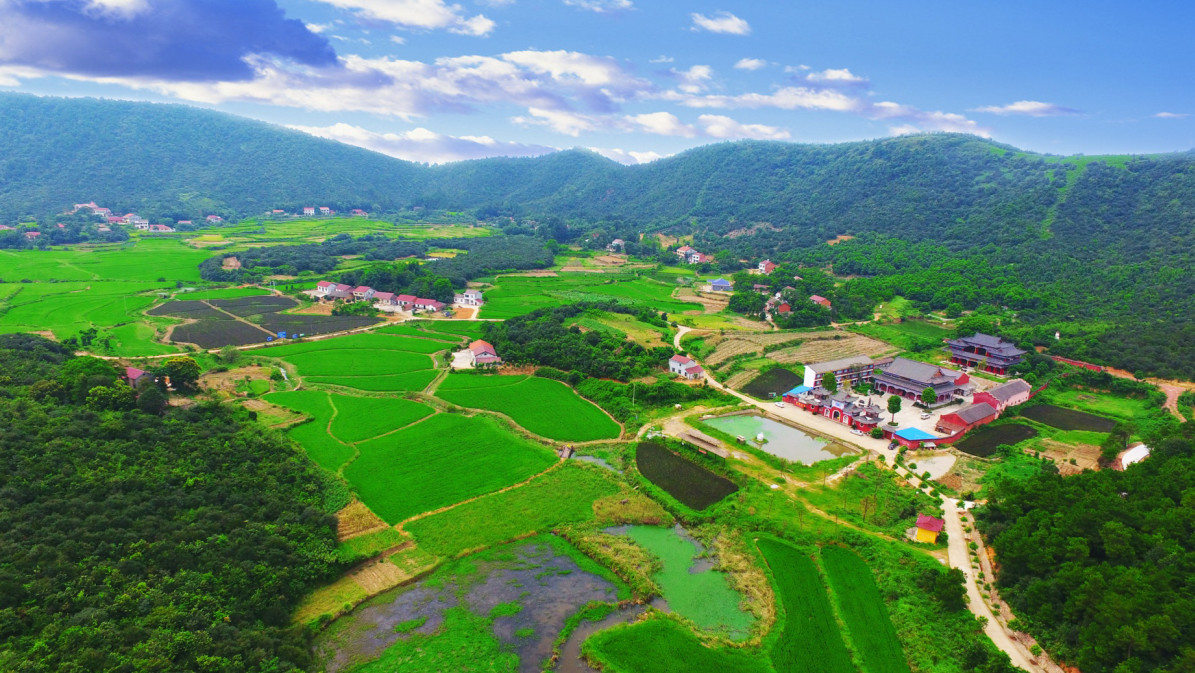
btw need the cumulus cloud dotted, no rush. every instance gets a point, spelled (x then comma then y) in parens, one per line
(1171, 115)
(188, 40)
(661, 59)
(695, 79)
(419, 15)
(561, 121)
(750, 64)
(720, 22)
(835, 76)
(601, 6)
(717, 126)
(1029, 108)
(784, 98)
(627, 157)
(663, 124)
(420, 144)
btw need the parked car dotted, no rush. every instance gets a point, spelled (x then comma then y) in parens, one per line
(924, 415)
(857, 431)
(780, 404)
(892, 445)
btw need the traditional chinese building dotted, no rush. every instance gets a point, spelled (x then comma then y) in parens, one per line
(848, 409)
(985, 352)
(909, 378)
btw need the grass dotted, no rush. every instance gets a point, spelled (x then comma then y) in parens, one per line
(624, 326)
(563, 496)
(1122, 408)
(705, 598)
(417, 380)
(403, 329)
(863, 611)
(361, 418)
(907, 335)
(327, 452)
(811, 639)
(222, 293)
(341, 362)
(440, 461)
(873, 498)
(662, 645)
(692, 485)
(545, 407)
(516, 295)
(368, 546)
(465, 328)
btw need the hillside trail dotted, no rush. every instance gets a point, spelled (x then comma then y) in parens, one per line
(1170, 387)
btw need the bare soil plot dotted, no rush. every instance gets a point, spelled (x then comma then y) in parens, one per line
(840, 345)
(227, 381)
(319, 308)
(1086, 456)
(738, 343)
(713, 303)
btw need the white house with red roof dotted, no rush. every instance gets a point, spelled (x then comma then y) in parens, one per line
(324, 210)
(357, 212)
(686, 367)
(160, 228)
(324, 287)
(432, 305)
(406, 301)
(766, 267)
(134, 376)
(384, 298)
(819, 300)
(214, 219)
(308, 210)
(362, 293)
(483, 354)
(468, 298)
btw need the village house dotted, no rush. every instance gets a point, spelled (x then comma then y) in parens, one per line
(690, 256)
(160, 228)
(985, 352)
(908, 378)
(325, 211)
(784, 308)
(847, 371)
(928, 528)
(911, 438)
(483, 354)
(720, 285)
(428, 305)
(966, 419)
(820, 300)
(1005, 395)
(135, 376)
(468, 298)
(214, 219)
(32, 234)
(699, 258)
(309, 210)
(184, 222)
(762, 289)
(143, 226)
(617, 245)
(843, 407)
(686, 367)
(405, 301)
(362, 293)
(333, 291)
(357, 212)
(766, 267)
(385, 299)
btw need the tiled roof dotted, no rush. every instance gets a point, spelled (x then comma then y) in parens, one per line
(930, 523)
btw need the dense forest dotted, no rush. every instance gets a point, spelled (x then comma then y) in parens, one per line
(159, 540)
(1100, 566)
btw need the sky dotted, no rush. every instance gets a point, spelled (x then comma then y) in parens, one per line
(634, 80)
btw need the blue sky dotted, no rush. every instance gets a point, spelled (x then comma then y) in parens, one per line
(435, 80)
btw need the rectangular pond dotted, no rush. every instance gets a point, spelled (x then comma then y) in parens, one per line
(783, 441)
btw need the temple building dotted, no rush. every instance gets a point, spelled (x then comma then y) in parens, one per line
(984, 352)
(909, 378)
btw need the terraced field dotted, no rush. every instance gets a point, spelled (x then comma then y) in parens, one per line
(831, 346)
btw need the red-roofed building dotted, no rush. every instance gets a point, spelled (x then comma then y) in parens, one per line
(32, 234)
(214, 219)
(324, 210)
(384, 298)
(134, 376)
(686, 367)
(483, 354)
(362, 293)
(114, 220)
(928, 528)
(184, 222)
(784, 308)
(966, 419)
(357, 212)
(406, 300)
(161, 228)
(308, 210)
(432, 305)
(820, 300)
(324, 287)
(767, 266)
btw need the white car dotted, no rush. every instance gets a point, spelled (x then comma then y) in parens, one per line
(924, 415)
(780, 404)
(857, 431)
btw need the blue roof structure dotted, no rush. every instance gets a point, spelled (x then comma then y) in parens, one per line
(914, 434)
(798, 390)
(720, 281)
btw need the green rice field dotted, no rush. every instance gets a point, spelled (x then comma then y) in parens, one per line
(706, 598)
(862, 609)
(662, 645)
(811, 639)
(545, 407)
(440, 461)
(410, 381)
(564, 495)
(516, 295)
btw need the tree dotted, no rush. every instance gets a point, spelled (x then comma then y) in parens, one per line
(830, 382)
(894, 406)
(117, 397)
(150, 399)
(929, 396)
(182, 371)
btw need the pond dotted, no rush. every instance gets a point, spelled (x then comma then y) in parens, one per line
(783, 441)
(689, 584)
(505, 607)
(936, 465)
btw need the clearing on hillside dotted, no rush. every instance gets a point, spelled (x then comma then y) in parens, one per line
(441, 461)
(545, 407)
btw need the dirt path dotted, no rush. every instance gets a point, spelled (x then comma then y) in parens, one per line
(237, 318)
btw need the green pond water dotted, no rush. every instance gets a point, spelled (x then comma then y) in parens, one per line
(783, 441)
(691, 589)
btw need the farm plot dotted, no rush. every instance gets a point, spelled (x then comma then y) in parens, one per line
(823, 346)
(222, 293)
(187, 309)
(662, 645)
(741, 343)
(440, 461)
(516, 295)
(361, 418)
(983, 441)
(773, 382)
(862, 609)
(340, 362)
(218, 333)
(544, 407)
(467, 328)
(406, 329)
(692, 485)
(564, 495)
(325, 450)
(254, 305)
(811, 640)
(1068, 419)
(312, 325)
(906, 335)
(411, 381)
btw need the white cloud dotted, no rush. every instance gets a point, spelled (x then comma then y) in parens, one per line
(397, 40)
(717, 126)
(420, 144)
(627, 157)
(1029, 108)
(662, 59)
(785, 98)
(1171, 115)
(561, 121)
(694, 79)
(118, 8)
(576, 68)
(497, 3)
(922, 121)
(720, 22)
(318, 27)
(419, 14)
(750, 64)
(662, 123)
(601, 6)
(831, 75)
